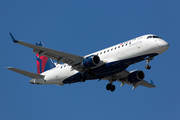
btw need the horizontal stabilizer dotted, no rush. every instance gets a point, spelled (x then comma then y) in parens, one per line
(26, 73)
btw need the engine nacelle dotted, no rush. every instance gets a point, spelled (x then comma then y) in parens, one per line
(136, 76)
(91, 61)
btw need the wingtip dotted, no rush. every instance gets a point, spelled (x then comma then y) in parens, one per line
(153, 83)
(14, 40)
(8, 68)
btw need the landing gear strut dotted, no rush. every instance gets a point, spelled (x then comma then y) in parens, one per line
(147, 62)
(110, 87)
(148, 67)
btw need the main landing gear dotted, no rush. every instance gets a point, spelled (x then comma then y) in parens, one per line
(110, 87)
(147, 62)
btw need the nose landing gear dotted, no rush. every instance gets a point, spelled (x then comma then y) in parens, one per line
(147, 62)
(148, 67)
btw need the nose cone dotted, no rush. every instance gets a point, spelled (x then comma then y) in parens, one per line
(164, 45)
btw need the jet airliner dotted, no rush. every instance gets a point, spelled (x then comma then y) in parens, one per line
(108, 64)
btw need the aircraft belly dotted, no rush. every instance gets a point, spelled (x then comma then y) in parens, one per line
(68, 76)
(115, 67)
(73, 79)
(106, 70)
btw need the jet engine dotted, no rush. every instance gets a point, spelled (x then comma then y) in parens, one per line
(91, 61)
(136, 76)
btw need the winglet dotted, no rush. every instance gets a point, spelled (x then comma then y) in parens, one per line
(153, 83)
(14, 40)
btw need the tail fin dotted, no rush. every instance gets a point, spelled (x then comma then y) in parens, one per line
(43, 63)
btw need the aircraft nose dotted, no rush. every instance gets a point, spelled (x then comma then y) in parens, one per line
(164, 44)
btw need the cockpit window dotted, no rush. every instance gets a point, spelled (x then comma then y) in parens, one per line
(149, 37)
(153, 37)
(156, 37)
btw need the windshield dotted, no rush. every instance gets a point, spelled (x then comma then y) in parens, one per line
(156, 37)
(149, 37)
(153, 37)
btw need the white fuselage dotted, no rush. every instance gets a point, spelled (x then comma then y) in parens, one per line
(139, 46)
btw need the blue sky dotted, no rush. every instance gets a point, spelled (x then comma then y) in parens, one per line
(82, 27)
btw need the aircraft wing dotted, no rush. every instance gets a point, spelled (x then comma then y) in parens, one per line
(122, 77)
(60, 57)
(147, 84)
(26, 73)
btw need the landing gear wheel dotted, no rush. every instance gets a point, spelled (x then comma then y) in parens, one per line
(148, 67)
(112, 88)
(147, 62)
(108, 86)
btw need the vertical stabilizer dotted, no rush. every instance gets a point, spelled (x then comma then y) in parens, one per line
(43, 63)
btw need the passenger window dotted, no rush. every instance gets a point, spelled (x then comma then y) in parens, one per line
(107, 50)
(101, 53)
(104, 51)
(115, 48)
(122, 45)
(119, 47)
(129, 43)
(111, 49)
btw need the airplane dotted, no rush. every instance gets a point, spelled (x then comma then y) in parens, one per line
(108, 64)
